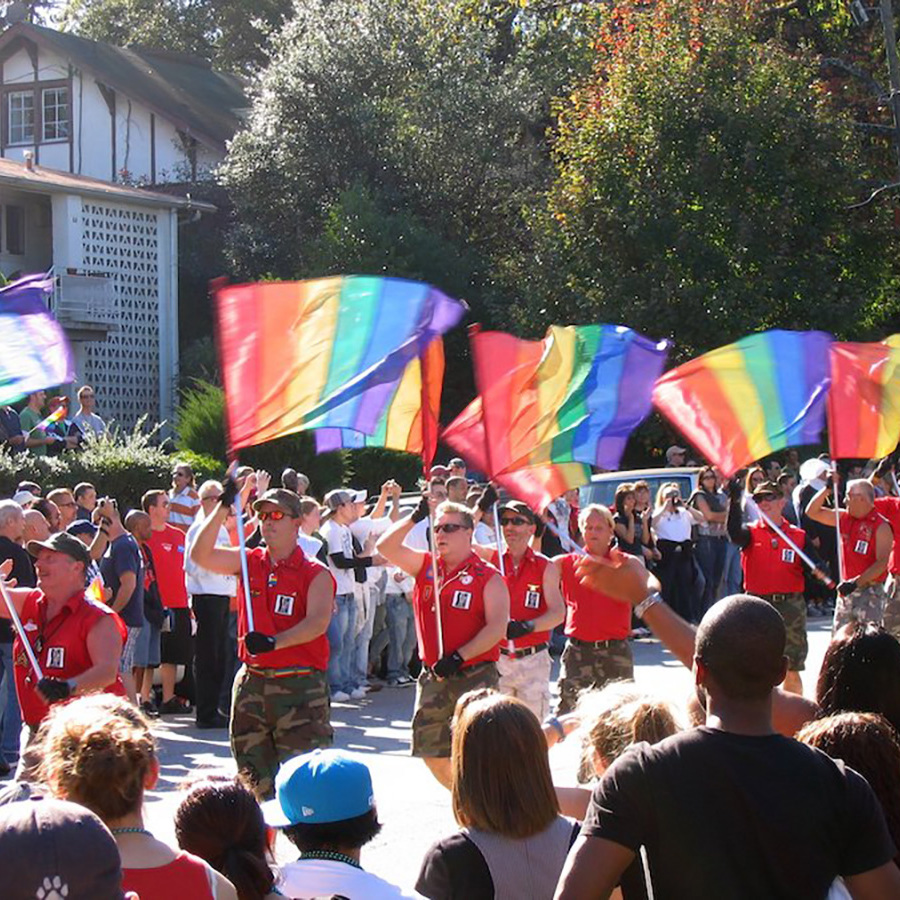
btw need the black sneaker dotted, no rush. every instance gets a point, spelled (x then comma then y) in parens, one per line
(217, 722)
(148, 708)
(176, 706)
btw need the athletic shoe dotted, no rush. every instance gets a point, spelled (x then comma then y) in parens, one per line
(217, 722)
(358, 693)
(174, 707)
(340, 696)
(148, 708)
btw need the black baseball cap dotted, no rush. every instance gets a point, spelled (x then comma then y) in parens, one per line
(62, 542)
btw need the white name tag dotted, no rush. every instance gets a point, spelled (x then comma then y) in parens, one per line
(461, 599)
(284, 604)
(532, 599)
(787, 556)
(862, 547)
(56, 657)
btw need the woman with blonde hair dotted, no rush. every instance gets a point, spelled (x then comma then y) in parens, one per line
(98, 751)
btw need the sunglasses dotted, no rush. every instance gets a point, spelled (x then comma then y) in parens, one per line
(276, 515)
(514, 520)
(450, 528)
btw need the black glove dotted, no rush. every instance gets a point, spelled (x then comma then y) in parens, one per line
(420, 513)
(829, 483)
(229, 491)
(847, 587)
(519, 628)
(884, 468)
(735, 489)
(448, 665)
(488, 498)
(54, 689)
(256, 642)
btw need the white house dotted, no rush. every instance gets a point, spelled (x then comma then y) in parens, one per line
(121, 114)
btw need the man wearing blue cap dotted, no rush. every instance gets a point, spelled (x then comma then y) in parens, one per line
(325, 805)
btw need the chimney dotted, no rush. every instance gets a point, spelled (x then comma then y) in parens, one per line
(29, 160)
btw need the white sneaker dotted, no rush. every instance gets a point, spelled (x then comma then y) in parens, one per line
(358, 693)
(340, 697)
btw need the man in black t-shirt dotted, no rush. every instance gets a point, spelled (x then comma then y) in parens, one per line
(733, 809)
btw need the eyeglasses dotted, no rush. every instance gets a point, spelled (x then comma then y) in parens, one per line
(276, 515)
(449, 527)
(514, 520)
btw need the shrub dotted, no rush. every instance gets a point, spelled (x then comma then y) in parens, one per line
(370, 467)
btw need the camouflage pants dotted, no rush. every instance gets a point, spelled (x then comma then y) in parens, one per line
(585, 666)
(865, 604)
(276, 718)
(792, 608)
(436, 702)
(892, 606)
(528, 679)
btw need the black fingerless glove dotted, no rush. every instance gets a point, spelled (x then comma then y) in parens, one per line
(846, 588)
(884, 468)
(420, 513)
(256, 642)
(448, 665)
(54, 689)
(229, 491)
(734, 489)
(488, 498)
(520, 628)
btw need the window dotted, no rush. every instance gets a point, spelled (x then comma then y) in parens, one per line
(56, 113)
(15, 230)
(21, 117)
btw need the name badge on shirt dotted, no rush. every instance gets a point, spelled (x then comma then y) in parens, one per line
(532, 597)
(284, 604)
(787, 556)
(461, 599)
(56, 657)
(861, 547)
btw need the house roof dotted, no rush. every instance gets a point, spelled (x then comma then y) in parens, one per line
(184, 89)
(42, 180)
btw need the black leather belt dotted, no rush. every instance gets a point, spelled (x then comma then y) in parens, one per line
(597, 645)
(525, 651)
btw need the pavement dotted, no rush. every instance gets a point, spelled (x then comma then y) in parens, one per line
(413, 808)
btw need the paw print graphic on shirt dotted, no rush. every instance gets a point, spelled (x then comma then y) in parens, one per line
(52, 889)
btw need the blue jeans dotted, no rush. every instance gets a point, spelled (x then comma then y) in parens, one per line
(340, 643)
(232, 663)
(711, 554)
(361, 644)
(402, 631)
(733, 579)
(12, 718)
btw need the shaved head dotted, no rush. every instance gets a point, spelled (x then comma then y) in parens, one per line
(741, 642)
(138, 523)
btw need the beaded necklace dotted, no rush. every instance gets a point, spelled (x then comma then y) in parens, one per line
(131, 829)
(330, 854)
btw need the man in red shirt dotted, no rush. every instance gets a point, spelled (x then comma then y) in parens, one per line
(77, 641)
(176, 645)
(459, 654)
(281, 702)
(889, 507)
(535, 608)
(597, 626)
(866, 542)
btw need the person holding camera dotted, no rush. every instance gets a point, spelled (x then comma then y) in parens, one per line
(682, 580)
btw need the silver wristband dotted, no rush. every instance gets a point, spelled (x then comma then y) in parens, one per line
(646, 603)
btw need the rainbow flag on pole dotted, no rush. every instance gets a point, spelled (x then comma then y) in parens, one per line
(743, 401)
(864, 402)
(328, 353)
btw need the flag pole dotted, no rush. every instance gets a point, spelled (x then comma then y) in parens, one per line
(815, 569)
(837, 526)
(242, 549)
(20, 631)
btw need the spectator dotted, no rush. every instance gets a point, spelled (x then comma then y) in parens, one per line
(325, 805)
(86, 532)
(514, 841)
(36, 527)
(220, 821)
(629, 526)
(211, 595)
(65, 503)
(66, 433)
(715, 807)
(53, 849)
(457, 489)
(786, 483)
(184, 501)
(86, 499)
(25, 499)
(36, 441)
(750, 512)
(166, 544)
(99, 752)
(11, 437)
(90, 424)
(712, 540)
(401, 626)
(50, 511)
(31, 487)
(307, 537)
(457, 467)
(295, 481)
(675, 456)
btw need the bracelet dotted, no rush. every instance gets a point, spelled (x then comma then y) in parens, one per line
(646, 603)
(556, 725)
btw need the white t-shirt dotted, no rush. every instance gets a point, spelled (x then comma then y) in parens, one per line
(417, 539)
(306, 879)
(187, 496)
(90, 423)
(405, 586)
(362, 529)
(309, 544)
(339, 540)
(675, 526)
(484, 535)
(202, 581)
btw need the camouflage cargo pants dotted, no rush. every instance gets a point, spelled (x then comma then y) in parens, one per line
(276, 718)
(792, 608)
(865, 604)
(892, 606)
(591, 664)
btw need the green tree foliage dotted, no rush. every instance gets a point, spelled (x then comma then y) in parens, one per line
(703, 188)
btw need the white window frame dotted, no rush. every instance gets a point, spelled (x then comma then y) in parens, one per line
(58, 123)
(10, 98)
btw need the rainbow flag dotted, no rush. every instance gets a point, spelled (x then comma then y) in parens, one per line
(95, 591)
(57, 415)
(36, 353)
(864, 402)
(407, 422)
(743, 401)
(329, 353)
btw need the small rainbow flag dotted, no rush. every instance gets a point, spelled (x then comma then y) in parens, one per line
(328, 353)
(864, 402)
(95, 591)
(57, 415)
(743, 401)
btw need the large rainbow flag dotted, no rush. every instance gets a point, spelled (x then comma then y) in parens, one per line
(864, 402)
(328, 353)
(36, 354)
(743, 401)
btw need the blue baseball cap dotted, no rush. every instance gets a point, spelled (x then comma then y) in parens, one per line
(319, 787)
(82, 526)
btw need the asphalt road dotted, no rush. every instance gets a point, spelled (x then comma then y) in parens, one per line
(413, 808)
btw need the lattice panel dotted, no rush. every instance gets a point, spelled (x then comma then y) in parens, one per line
(123, 243)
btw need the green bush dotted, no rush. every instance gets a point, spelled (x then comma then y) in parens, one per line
(370, 467)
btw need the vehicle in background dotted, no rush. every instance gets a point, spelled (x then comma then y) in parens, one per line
(602, 488)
